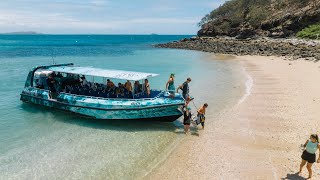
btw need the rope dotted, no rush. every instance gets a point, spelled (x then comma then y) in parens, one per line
(194, 105)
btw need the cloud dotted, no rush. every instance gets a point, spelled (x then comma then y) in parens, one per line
(164, 20)
(51, 22)
(25, 20)
(103, 16)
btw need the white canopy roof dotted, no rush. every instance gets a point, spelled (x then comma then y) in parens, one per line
(115, 74)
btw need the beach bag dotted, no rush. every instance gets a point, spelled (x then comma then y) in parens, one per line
(196, 119)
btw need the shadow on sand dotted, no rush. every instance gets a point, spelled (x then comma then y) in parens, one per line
(116, 125)
(193, 131)
(294, 176)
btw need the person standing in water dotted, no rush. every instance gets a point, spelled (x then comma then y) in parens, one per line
(170, 86)
(309, 154)
(201, 114)
(187, 119)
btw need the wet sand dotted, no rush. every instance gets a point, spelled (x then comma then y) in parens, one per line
(260, 137)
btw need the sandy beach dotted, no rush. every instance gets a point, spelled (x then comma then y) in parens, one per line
(260, 137)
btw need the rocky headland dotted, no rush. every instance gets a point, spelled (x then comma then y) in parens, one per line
(292, 49)
(259, 27)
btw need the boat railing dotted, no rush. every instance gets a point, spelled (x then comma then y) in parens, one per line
(119, 99)
(102, 98)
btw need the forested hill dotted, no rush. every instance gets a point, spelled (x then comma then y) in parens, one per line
(271, 18)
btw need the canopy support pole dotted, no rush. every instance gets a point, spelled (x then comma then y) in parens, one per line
(133, 92)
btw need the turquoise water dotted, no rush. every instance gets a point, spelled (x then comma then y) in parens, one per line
(43, 143)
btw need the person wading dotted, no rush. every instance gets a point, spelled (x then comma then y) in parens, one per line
(201, 114)
(187, 119)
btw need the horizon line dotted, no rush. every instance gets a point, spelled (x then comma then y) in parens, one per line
(150, 34)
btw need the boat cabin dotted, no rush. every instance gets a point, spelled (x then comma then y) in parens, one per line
(81, 81)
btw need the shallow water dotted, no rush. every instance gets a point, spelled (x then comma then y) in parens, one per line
(43, 143)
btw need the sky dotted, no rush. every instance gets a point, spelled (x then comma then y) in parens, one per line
(104, 16)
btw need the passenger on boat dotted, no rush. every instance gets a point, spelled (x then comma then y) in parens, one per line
(170, 86)
(120, 90)
(185, 88)
(110, 84)
(83, 80)
(128, 86)
(53, 74)
(59, 75)
(50, 83)
(137, 87)
(146, 87)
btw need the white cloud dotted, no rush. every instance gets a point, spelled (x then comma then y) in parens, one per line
(164, 20)
(51, 22)
(25, 21)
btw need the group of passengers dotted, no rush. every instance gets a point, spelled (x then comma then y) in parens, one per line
(74, 84)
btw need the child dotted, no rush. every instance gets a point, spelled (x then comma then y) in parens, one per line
(201, 114)
(187, 119)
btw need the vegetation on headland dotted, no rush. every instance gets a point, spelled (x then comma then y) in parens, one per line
(272, 18)
(252, 19)
(311, 32)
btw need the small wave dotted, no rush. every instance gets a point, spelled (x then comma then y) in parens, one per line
(249, 85)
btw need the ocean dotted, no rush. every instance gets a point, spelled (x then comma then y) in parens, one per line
(43, 143)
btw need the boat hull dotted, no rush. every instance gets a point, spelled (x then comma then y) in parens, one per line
(106, 109)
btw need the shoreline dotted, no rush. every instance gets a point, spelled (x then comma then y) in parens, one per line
(261, 134)
(290, 49)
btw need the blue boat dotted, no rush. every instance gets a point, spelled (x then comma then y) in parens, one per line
(70, 91)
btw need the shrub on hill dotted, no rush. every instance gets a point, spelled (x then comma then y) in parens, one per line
(311, 32)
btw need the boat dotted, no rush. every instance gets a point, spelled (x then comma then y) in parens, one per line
(158, 105)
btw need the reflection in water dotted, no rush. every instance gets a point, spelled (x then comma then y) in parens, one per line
(112, 125)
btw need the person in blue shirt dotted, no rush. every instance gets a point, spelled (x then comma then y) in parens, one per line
(309, 154)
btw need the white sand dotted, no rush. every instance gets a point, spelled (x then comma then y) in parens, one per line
(260, 137)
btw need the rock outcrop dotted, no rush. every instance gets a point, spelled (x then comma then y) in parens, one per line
(290, 48)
